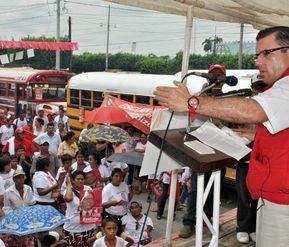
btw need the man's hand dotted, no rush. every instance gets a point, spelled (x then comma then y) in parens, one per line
(247, 133)
(175, 98)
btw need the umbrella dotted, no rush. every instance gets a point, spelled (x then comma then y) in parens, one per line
(28, 220)
(133, 158)
(111, 115)
(108, 133)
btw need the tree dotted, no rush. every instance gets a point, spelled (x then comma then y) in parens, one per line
(211, 43)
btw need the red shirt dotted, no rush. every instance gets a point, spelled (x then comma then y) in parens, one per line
(28, 145)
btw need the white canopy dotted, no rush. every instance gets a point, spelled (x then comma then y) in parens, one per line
(259, 13)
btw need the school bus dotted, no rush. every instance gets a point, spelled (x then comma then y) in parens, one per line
(86, 91)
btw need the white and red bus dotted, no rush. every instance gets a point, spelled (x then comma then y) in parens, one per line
(34, 87)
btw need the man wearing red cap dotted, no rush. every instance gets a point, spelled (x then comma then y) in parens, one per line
(18, 140)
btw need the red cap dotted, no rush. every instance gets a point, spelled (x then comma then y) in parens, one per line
(19, 131)
(217, 66)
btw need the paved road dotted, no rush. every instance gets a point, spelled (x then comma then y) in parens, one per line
(227, 202)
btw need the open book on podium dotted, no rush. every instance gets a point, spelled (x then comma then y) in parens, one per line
(204, 149)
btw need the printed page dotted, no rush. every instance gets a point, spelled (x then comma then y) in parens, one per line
(212, 136)
(199, 147)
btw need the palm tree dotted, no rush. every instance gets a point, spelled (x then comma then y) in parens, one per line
(211, 43)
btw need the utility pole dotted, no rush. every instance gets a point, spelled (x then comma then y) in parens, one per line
(57, 57)
(69, 39)
(107, 39)
(240, 60)
(133, 47)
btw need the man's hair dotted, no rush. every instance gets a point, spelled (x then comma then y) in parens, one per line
(66, 157)
(20, 148)
(41, 163)
(50, 124)
(281, 34)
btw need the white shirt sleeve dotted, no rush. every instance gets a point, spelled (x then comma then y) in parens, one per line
(274, 102)
(2, 189)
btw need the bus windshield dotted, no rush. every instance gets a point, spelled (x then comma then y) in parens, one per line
(54, 92)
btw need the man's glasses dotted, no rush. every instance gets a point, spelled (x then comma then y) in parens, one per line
(268, 51)
(137, 225)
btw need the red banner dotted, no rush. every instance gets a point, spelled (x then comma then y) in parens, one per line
(141, 114)
(61, 46)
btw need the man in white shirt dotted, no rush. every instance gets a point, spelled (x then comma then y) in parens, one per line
(6, 132)
(19, 194)
(40, 114)
(50, 136)
(21, 121)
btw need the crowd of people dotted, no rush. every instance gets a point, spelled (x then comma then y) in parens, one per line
(55, 169)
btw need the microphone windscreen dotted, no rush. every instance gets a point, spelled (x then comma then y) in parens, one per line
(231, 80)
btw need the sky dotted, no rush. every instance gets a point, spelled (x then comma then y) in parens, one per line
(131, 30)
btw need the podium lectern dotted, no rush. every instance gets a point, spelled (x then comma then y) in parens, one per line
(174, 147)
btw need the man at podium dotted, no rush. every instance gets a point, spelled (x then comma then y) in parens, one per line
(268, 175)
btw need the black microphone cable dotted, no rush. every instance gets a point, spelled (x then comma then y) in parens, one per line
(157, 166)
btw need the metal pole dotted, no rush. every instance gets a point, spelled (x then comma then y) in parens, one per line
(69, 39)
(240, 60)
(57, 57)
(199, 210)
(107, 39)
(17, 101)
(171, 209)
(187, 45)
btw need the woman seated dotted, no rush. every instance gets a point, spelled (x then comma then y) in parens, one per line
(132, 224)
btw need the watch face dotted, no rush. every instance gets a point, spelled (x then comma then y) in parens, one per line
(193, 102)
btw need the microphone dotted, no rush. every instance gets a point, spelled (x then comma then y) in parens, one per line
(229, 80)
(241, 92)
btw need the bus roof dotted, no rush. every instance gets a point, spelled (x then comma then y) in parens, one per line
(145, 84)
(23, 74)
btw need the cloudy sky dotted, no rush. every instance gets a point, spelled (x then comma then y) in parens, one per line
(131, 29)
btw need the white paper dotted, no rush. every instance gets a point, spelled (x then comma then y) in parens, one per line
(30, 53)
(19, 55)
(160, 119)
(4, 59)
(150, 161)
(199, 147)
(211, 135)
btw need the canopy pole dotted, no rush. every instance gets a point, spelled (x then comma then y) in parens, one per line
(187, 43)
(171, 208)
(174, 176)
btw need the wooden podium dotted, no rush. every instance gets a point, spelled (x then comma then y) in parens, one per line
(174, 147)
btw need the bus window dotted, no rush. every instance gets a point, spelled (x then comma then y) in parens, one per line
(12, 89)
(142, 99)
(127, 97)
(74, 97)
(86, 98)
(97, 99)
(2, 89)
(155, 102)
(50, 91)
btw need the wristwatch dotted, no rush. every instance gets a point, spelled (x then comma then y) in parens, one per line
(193, 103)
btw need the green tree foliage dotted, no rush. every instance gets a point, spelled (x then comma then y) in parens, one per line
(125, 61)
